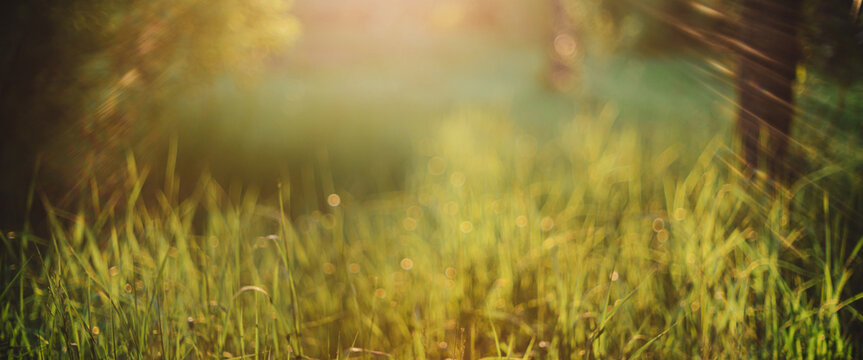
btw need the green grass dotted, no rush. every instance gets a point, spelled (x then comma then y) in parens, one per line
(589, 244)
(451, 207)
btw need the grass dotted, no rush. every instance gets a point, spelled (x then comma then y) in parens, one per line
(421, 232)
(589, 244)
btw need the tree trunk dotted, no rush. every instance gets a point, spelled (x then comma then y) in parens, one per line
(564, 48)
(769, 51)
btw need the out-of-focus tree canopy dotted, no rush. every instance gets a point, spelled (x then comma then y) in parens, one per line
(87, 79)
(832, 31)
(758, 46)
(150, 53)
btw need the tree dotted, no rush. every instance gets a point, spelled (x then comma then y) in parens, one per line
(84, 80)
(769, 51)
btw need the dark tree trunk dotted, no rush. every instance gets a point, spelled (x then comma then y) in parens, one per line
(769, 51)
(564, 48)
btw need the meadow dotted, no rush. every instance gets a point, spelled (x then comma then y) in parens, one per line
(588, 244)
(465, 212)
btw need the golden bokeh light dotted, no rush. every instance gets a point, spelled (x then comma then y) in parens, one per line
(410, 224)
(406, 264)
(565, 45)
(334, 200)
(354, 268)
(546, 223)
(329, 268)
(380, 293)
(521, 221)
(457, 179)
(436, 165)
(466, 227)
(414, 212)
(662, 236)
(451, 208)
(658, 224)
(679, 214)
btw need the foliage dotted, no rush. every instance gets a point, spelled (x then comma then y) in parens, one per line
(96, 76)
(149, 54)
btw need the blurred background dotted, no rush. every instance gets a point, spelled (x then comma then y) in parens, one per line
(431, 178)
(255, 91)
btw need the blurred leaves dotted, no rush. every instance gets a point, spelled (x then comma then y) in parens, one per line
(159, 49)
(106, 73)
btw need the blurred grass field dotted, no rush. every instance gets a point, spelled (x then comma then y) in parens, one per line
(500, 245)
(458, 211)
